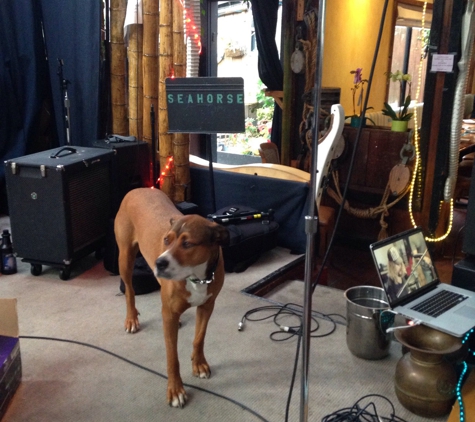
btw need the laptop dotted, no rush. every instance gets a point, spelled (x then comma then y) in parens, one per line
(413, 288)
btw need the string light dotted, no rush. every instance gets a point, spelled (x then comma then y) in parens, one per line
(414, 182)
(458, 389)
(416, 125)
(168, 171)
(458, 392)
(191, 27)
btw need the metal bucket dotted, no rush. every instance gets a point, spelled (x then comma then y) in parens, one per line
(365, 331)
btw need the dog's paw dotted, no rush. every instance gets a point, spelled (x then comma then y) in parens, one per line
(202, 371)
(132, 324)
(177, 399)
(132, 328)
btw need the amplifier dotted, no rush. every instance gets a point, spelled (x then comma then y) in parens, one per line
(131, 169)
(469, 239)
(131, 166)
(463, 274)
(59, 205)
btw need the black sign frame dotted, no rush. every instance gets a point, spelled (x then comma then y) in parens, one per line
(205, 105)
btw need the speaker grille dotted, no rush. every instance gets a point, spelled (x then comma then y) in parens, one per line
(89, 205)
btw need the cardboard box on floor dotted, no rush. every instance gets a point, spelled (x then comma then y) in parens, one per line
(10, 358)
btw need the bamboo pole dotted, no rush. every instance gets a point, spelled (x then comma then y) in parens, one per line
(181, 141)
(120, 124)
(134, 54)
(165, 66)
(150, 67)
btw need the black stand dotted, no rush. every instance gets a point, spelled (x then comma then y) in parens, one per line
(215, 117)
(209, 153)
(154, 147)
(311, 222)
(66, 103)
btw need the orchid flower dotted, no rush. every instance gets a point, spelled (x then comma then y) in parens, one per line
(358, 75)
(403, 113)
(358, 82)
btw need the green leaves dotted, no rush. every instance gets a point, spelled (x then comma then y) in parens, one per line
(402, 114)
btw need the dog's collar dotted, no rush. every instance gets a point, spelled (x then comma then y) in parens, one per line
(209, 274)
(196, 280)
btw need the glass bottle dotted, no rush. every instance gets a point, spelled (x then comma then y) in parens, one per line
(8, 264)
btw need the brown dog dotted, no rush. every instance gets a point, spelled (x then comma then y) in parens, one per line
(185, 254)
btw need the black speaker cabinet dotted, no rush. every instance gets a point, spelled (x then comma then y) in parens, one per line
(59, 205)
(131, 167)
(469, 239)
(463, 274)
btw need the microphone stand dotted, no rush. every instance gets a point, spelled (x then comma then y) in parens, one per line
(311, 221)
(154, 147)
(66, 103)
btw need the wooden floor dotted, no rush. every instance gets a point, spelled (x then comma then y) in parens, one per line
(350, 263)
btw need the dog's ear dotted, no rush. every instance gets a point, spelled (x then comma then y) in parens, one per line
(221, 235)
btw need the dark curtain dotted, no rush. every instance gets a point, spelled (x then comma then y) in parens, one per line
(265, 22)
(31, 114)
(73, 33)
(23, 72)
(269, 65)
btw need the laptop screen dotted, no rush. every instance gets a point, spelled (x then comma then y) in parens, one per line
(404, 266)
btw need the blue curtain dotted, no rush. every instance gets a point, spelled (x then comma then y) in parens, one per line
(270, 69)
(30, 95)
(73, 34)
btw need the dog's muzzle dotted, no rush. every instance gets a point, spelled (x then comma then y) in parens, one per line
(161, 265)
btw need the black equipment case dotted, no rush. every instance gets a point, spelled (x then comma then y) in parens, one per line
(251, 233)
(59, 204)
(131, 167)
(131, 170)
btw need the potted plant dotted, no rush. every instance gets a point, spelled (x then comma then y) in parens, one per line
(358, 83)
(401, 117)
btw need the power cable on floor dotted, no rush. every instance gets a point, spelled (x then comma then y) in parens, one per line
(367, 413)
(289, 310)
(287, 331)
(315, 283)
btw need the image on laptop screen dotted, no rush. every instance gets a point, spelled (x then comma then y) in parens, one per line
(404, 265)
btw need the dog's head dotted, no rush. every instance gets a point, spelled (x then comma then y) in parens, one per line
(191, 245)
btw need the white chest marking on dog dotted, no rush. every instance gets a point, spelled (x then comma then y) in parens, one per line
(199, 293)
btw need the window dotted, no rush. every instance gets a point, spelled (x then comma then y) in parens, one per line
(409, 45)
(237, 56)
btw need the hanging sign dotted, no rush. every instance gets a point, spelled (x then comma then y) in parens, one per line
(442, 63)
(205, 105)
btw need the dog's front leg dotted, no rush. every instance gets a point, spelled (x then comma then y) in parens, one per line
(126, 265)
(199, 364)
(176, 394)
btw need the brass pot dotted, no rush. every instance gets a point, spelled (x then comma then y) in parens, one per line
(425, 381)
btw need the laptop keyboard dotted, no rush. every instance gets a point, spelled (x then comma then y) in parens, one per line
(439, 303)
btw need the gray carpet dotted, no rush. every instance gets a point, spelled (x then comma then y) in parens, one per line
(251, 373)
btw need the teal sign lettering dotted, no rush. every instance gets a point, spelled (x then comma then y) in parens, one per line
(205, 105)
(205, 98)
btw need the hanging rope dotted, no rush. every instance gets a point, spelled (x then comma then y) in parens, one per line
(369, 213)
(309, 48)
